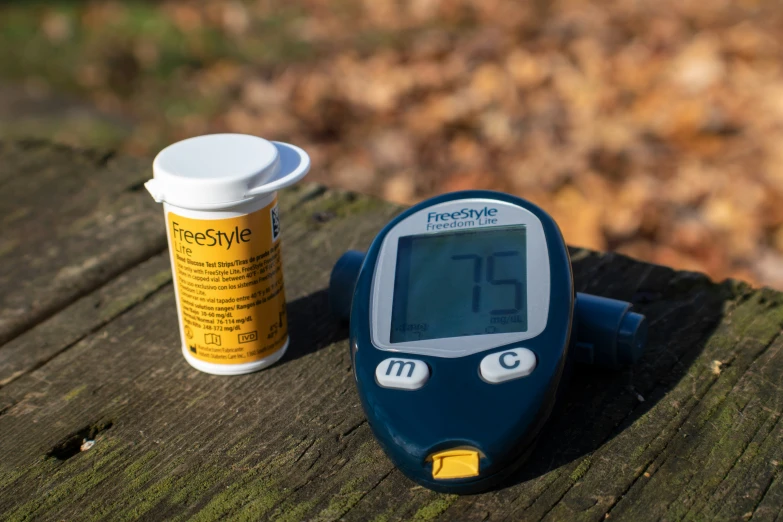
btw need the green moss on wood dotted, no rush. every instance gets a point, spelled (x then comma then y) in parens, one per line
(9, 476)
(581, 469)
(74, 392)
(198, 483)
(145, 501)
(264, 496)
(247, 498)
(370, 454)
(66, 486)
(241, 445)
(139, 473)
(129, 299)
(291, 512)
(434, 509)
(253, 488)
(350, 493)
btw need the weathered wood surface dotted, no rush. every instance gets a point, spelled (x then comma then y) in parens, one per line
(91, 350)
(71, 221)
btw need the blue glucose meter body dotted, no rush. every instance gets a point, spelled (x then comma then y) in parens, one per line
(463, 317)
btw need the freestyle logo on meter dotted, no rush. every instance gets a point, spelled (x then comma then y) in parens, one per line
(208, 238)
(461, 218)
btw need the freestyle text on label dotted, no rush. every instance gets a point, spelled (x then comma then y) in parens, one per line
(461, 218)
(465, 213)
(209, 238)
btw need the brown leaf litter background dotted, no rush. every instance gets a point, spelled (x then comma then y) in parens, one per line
(650, 128)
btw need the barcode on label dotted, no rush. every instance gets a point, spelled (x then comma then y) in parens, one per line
(275, 222)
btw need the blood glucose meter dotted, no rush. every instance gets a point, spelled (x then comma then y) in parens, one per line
(463, 317)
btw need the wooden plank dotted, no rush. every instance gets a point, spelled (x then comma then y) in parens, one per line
(51, 337)
(71, 221)
(692, 431)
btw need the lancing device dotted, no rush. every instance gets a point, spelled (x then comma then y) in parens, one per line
(463, 316)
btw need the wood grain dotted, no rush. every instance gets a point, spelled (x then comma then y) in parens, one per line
(691, 432)
(71, 221)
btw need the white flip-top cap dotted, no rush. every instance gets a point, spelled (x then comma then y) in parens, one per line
(224, 170)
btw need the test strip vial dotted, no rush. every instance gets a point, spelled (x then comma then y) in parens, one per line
(219, 195)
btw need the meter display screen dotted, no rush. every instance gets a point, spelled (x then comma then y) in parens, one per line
(456, 284)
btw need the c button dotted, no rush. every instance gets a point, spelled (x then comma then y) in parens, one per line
(506, 365)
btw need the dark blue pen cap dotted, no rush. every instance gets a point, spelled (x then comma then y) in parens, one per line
(631, 338)
(607, 332)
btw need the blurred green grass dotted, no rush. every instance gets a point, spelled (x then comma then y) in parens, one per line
(25, 49)
(133, 60)
(149, 74)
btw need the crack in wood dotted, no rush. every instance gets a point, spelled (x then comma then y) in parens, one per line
(351, 429)
(104, 159)
(310, 194)
(588, 459)
(304, 452)
(315, 460)
(372, 488)
(4, 410)
(557, 474)
(768, 486)
(137, 186)
(72, 444)
(39, 364)
(107, 277)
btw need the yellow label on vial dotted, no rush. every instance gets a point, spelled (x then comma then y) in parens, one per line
(230, 285)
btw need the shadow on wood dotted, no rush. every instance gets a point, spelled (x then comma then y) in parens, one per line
(597, 403)
(312, 326)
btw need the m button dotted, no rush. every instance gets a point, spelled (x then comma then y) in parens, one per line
(403, 374)
(509, 364)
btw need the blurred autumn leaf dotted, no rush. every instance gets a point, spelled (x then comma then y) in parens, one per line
(652, 128)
